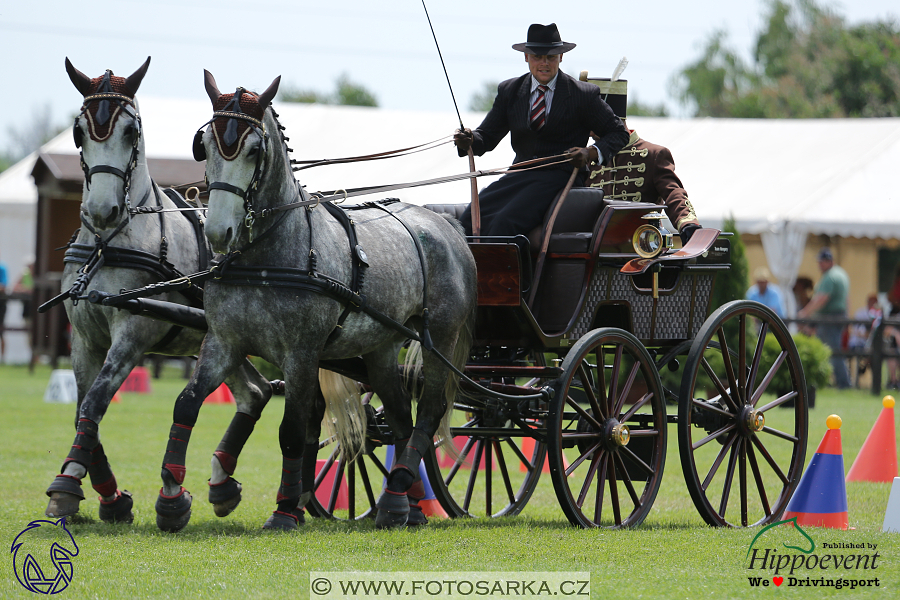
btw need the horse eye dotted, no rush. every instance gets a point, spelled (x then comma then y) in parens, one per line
(252, 150)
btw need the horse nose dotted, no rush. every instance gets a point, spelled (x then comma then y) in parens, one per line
(104, 217)
(220, 241)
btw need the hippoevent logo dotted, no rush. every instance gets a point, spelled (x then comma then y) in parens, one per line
(35, 571)
(838, 564)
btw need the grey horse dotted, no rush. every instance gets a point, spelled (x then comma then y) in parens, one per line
(297, 289)
(138, 250)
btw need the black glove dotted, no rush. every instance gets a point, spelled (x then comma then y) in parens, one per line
(579, 156)
(686, 232)
(463, 139)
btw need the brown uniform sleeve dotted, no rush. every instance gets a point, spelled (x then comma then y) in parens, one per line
(671, 191)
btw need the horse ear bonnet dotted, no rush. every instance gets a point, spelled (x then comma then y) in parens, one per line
(199, 150)
(77, 134)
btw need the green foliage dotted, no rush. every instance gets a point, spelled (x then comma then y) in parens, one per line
(483, 100)
(807, 63)
(346, 93)
(636, 108)
(731, 284)
(266, 369)
(814, 356)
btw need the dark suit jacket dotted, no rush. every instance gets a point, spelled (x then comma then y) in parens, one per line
(575, 111)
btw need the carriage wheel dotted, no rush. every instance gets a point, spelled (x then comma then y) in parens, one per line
(492, 475)
(607, 431)
(349, 489)
(723, 414)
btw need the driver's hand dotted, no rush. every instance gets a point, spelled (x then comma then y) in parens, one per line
(579, 156)
(463, 139)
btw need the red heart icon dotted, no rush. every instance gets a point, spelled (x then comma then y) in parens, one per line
(778, 580)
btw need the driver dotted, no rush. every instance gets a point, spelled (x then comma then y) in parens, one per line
(547, 113)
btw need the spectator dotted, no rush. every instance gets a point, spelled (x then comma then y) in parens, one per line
(25, 285)
(830, 300)
(766, 293)
(3, 284)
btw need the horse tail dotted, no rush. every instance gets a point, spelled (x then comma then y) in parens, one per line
(345, 418)
(412, 370)
(451, 388)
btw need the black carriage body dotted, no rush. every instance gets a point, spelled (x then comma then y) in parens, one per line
(583, 286)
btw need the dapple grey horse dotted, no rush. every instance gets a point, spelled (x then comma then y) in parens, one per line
(296, 288)
(138, 250)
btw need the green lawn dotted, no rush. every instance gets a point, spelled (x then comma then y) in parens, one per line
(672, 555)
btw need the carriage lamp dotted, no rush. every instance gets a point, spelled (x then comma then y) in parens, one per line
(651, 239)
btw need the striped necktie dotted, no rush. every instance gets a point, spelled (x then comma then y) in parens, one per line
(539, 109)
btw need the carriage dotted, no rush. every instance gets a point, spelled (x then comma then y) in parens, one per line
(587, 350)
(614, 327)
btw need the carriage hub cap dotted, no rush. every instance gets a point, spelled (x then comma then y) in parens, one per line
(756, 420)
(620, 434)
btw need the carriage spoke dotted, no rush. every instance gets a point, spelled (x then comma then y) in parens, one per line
(729, 367)
(601, 488)
(742, 475)
(488, 476)
(602, 397)
(781, 434)
(589, 391)
(636, 407)
(460, 460)
(589, 478)
(644, 432)
(764, 384)
(762, 450)
(351, 488)
(614, 493)
(614, 379)
(325, 469)
(718, 462)
(779, 401)
(504, 472)
(714, 435)
(760, 486)
(626, 479)
(640, 463)
(473, 475)
(378, 464)
(585, 414)
(518, 452)
(729, 477)
(757, 356)
(626, 389)
(364, 472)
(581, 458)
(742, 358)
(336, 486)
(710, 407)
(723, 392)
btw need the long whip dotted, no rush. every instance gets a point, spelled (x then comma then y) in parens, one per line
(476, 209)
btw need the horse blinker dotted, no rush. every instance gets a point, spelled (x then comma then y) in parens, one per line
(198, 148)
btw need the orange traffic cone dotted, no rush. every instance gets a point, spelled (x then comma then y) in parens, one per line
(528, 450)
(821, 497)
(221, 395)
(877, 459)
(137, 381)
(116, 398)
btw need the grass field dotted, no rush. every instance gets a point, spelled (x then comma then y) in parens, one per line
(672, 555)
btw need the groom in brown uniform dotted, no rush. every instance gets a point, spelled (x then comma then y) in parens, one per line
(547, 113)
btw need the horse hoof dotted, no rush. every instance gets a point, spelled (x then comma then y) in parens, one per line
(173, 512)
(225, 496)
(282, 521)
(62, 504)
(416, 516)
(393, 510)
(118, 510)
(65, 496)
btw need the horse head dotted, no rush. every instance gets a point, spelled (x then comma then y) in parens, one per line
(237, 152)
(108, 132)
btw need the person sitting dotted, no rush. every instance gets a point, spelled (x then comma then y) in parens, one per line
(547, 113)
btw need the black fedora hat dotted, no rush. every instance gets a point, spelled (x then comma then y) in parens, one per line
(543, 39)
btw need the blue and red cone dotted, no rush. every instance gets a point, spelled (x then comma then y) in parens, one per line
(821, 497)
(429, 504)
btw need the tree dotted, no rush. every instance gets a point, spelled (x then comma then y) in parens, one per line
(636, 108)
(483, 100)
(807, 63)
(731, 284)
(346, 93)
(30, 136)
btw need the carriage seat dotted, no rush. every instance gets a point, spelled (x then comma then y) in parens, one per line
(574, 226)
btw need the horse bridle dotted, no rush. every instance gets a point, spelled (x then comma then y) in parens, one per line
(123, 102)
(259, 129)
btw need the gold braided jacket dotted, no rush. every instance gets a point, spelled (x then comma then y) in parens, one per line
(644, 172)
